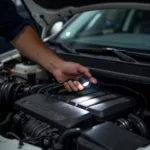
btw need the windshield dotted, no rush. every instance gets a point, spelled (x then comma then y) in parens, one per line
(123, 28)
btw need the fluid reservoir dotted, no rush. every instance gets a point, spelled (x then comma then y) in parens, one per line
(23, 69)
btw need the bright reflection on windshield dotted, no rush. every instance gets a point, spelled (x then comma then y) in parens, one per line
(68, 33)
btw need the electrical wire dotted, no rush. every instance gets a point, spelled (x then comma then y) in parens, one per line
(27, 139)
(47, 87)
(13, 135)
(6, 121)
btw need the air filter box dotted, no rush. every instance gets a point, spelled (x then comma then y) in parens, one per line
(109, 136)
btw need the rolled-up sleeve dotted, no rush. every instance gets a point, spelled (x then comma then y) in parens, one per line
(11, 23)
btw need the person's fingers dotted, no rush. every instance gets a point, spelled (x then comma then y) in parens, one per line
(78, 85)
(85, 71)
(66, 85)
(73, 86)
(93, 80)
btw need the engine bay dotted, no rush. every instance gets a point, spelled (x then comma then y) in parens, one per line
(36, 113)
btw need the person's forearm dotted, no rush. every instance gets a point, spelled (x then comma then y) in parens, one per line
(30, 45)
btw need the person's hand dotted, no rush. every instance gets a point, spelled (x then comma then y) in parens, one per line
(31, 46)
(73, 71)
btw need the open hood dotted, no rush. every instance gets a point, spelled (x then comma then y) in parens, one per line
(65, 3)
(46, 12)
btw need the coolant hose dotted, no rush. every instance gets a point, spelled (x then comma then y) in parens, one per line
(65, 135)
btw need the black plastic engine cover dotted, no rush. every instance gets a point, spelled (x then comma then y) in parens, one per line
(104, 105)
(109, 136)
(58, 113)
(107, 110)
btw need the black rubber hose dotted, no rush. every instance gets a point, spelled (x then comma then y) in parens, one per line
(65, 135)
(139, 124)
(35, 88)
(68, 133)
(6, 121)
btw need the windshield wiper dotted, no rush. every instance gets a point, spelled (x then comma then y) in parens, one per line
(108, 51)
(62, 46)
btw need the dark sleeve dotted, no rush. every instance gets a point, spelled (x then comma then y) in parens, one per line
(11, 23)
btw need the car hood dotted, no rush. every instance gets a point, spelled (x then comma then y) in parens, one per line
(54, 10)
(47, 12)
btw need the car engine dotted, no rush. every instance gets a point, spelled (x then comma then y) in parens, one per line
(35, 113)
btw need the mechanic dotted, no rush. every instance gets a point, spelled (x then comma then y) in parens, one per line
(15, 29)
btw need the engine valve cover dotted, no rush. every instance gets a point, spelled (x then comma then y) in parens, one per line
(58, 113)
